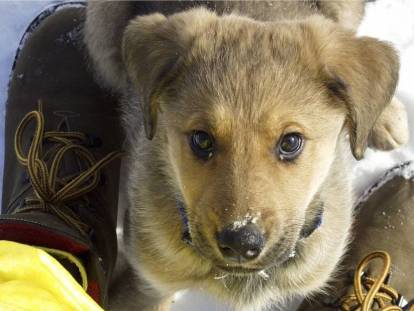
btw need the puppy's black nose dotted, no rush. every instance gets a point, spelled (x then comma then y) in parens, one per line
(241, 244)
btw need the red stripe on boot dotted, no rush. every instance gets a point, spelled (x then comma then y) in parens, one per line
(35, 235)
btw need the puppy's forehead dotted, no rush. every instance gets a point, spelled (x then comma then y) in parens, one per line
(247, 37)
(244, 74)
(238, 53)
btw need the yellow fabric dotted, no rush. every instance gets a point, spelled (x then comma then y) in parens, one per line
(31, 279)
(72, 259)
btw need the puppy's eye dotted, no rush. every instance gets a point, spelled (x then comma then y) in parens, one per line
(202, 144)
(290, 146)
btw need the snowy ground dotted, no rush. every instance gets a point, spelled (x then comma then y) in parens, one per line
(391, 20)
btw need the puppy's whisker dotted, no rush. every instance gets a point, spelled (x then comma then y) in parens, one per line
(220, 277)
(223, 281)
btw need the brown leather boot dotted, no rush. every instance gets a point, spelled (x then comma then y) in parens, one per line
(377, 273)
(61, 170)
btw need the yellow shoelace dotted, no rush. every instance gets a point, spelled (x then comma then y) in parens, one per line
(368, 291)
(52, 192)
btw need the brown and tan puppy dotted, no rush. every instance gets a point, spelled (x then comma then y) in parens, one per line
(243, 187)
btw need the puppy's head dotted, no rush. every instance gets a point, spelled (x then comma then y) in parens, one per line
(248, 116)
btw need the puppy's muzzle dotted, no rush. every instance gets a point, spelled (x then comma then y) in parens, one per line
(241, 244)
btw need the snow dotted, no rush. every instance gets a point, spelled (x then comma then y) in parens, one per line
(390, 20)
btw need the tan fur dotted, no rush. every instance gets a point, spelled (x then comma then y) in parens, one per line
(347, 14)
(391, 129)
(105, 22)
(247, 83)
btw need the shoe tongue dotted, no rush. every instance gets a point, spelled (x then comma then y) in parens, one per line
(71, 166)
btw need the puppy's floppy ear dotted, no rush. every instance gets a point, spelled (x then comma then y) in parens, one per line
(153, 49)
(363, 73)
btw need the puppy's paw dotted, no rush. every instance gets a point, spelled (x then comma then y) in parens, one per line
(391, 129)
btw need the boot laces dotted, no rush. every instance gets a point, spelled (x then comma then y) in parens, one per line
(53, 192)
(370, 292)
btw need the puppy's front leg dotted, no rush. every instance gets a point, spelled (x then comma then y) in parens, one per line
(391, 129)
(128, 291)
(129, 294)
(164, 305)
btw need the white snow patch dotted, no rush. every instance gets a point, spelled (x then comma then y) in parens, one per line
(263, 274)
(248, 218)
(239, 224)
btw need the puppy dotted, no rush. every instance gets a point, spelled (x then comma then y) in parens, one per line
(241, 118)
